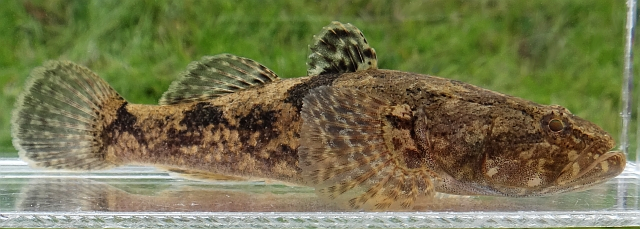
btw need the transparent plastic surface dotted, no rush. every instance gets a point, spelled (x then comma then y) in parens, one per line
(142, 197)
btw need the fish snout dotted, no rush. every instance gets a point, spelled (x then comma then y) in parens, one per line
(590, 168)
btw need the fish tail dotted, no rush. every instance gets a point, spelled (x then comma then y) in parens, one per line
(58, 120)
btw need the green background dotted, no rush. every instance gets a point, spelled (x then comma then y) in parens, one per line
(552, 52)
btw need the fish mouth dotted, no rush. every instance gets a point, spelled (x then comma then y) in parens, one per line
(587, 170)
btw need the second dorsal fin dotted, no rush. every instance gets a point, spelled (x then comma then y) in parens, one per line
(340, 48)
(214, 76)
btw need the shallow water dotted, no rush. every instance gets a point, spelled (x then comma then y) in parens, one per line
(146, 197)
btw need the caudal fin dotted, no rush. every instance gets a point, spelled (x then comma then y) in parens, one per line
(57, 120)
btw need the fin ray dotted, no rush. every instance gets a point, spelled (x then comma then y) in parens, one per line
(345, 153)
(56, 122)
(214, 76)
(340, 48)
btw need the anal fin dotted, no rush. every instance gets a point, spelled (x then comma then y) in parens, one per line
(352, 153)
(202, 175)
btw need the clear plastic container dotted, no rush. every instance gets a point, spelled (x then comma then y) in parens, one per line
(142, 197)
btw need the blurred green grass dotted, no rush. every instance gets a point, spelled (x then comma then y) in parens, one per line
(552, 52)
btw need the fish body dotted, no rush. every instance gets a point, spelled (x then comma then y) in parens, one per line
(371, 138)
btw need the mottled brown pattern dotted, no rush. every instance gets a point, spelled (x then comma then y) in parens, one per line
(475, 141)
(368, 138)
(296, 93)
(424, 135)
(487, 146)
(238, 135)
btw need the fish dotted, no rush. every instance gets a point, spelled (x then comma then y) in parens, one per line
(367, 138)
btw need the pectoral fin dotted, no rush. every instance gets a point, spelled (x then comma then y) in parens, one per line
(348, 151)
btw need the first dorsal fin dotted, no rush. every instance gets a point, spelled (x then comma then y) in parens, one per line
(340, 48)
(214, 76)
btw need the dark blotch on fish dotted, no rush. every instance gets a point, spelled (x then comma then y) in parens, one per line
(298, 92)
(125, 123)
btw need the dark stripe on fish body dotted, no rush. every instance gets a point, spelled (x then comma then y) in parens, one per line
(296, 93)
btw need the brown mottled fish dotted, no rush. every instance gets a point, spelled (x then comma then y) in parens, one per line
(374, 139)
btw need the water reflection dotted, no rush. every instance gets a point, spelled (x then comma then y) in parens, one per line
(144, 189)
(89, 195)
(116, 195)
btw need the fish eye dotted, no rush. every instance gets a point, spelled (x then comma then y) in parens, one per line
(556, 125)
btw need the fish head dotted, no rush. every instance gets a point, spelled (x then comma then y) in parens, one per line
(551, 151)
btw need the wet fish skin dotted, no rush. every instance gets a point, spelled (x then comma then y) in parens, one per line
(374, 139)
(240, 135)
(453, 138)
